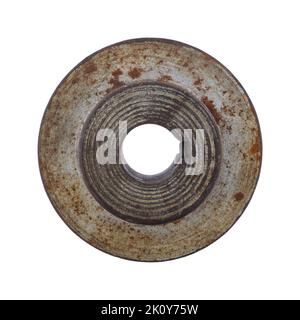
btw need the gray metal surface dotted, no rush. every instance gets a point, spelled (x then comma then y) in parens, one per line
(118, 210)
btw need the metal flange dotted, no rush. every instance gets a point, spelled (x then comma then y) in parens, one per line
(125, 213)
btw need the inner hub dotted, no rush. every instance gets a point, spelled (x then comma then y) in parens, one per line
(149, 199)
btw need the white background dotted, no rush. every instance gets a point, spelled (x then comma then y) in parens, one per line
(41, 41)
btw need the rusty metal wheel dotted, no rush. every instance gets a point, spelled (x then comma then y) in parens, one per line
(122, 212)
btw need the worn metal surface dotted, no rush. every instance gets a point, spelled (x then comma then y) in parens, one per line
(127, 214)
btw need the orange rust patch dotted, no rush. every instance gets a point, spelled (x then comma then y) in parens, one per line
(210, 105)
(90, 67)
(198, 82)
(239, 196)
(135, 73)
(165, 78)
(116, 73)
(255, 148)
(115, 81)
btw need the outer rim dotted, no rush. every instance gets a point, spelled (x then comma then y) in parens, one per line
(163, 40)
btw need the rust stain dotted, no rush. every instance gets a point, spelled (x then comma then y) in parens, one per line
(90, 67)
(198, 82)
(116, 73)
(211, 106)
(93, 81)
(177, 221)
(115, 81)
(165, 78)
(239, 196)
(74, 80)
(78, 205)
(228, 110)
(135, 73)
(255, 148)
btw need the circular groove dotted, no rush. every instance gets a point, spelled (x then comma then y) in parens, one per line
(133, 199)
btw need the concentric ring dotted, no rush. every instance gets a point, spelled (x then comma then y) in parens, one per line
(135, 197)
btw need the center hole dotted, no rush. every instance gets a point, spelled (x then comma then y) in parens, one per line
(150, 149)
